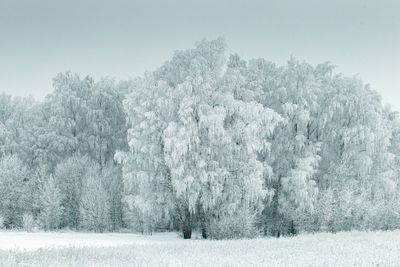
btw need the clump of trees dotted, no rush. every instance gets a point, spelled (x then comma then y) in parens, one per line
(225, 146)
(57, 156)
(238, 148)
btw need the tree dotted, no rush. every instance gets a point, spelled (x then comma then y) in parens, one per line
(147, 191)
(95, 203)
(70, 177)
(190, 135)
(67, 107)
(106, 132)
(293, 91)
(85, 117)
(356, 152)
(113, 184)
(13, 180)
(50, 202)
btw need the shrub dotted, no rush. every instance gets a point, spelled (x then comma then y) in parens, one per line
(235, 226)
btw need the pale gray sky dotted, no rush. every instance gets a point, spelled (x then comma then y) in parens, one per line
(122, 39)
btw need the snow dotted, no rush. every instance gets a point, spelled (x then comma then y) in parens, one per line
(167, 249)
(43, 240)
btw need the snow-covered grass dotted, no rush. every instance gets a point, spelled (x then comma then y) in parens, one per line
(44, 240)
(76, 249)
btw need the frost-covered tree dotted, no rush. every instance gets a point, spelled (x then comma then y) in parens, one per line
(50, 205)
(293, 91)
(13, 188)
(70, 177)
(68, 107)
(95, 202)
(112, 182)
(106, 132)
(355, 153)
(193, 76)
(85, 117)
(145, 177)
(19, 128)
(206, 142)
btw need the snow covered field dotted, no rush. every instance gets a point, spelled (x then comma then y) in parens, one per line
(76, 249)
(45, 240)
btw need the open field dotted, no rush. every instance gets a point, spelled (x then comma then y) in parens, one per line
(81, 249)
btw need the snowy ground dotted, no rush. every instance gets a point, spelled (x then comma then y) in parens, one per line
(76, 249)
(45, 240)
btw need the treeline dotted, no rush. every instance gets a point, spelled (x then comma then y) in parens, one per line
(229, 147)
(57, 167)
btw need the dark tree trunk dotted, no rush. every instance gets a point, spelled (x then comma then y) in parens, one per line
(187, 225)
(204, 232)
(292, 229)
(187, 232)
(203, 223)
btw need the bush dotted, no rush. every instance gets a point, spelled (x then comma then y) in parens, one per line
(235, 226)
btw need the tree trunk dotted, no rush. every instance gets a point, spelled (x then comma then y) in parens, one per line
(187, 226)
(204, 232)
(187, 232)
(292, 229)
(185, 218)
(203, 223)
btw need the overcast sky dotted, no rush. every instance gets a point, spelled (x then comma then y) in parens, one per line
(122, 39)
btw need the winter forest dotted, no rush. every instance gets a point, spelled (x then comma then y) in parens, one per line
(207, 143)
